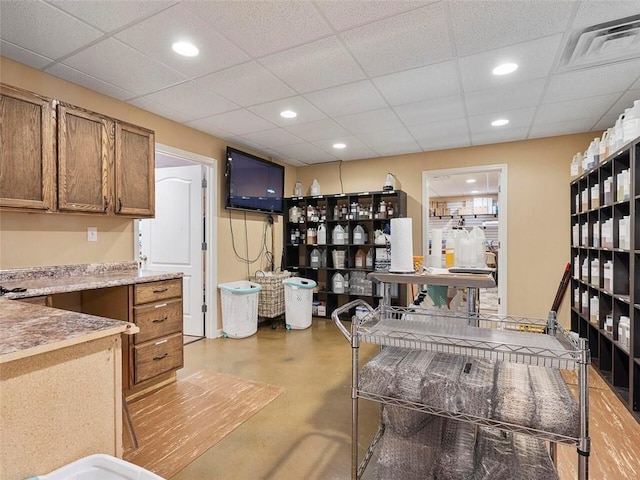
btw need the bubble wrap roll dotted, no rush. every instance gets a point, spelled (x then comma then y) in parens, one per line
(456, 460)
(441, 381)
(378, 375)
(532, 459)
(513, 398)
(404, 421)
(410, 458)
(556, 408)
(494, 459)
(475, 389)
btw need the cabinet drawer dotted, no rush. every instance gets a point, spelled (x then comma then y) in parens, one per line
(158, 319)
(157, 356)
(156, 291)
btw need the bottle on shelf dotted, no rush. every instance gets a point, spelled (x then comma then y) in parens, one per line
(314, 258)
(358, 235)
(322, 234)
(360, 258)
(449, 255)
(337, 283)
(338, 235)
(323, 259)
(368, 263)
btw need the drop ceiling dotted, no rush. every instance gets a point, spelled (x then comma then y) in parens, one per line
(383, 77)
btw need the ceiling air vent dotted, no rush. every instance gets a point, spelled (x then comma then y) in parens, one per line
(609, 42)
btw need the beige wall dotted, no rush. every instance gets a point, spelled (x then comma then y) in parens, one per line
(538, 205)
(41, 239)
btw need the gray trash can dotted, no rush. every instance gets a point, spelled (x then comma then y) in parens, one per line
(298, 302)
(239, 308)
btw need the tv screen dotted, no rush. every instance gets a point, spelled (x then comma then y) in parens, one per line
(253, 183)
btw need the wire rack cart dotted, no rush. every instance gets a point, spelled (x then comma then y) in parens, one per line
(496, 337)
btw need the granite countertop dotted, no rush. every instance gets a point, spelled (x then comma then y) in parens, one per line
(72, 278)
(27, 329)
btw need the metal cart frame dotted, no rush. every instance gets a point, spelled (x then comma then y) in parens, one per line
(496, 337)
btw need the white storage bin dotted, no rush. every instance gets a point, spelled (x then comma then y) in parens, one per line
(100, 467)
(298, 302)
(239, 308)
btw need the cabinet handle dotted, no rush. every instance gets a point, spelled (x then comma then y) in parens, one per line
(106, 204)
(160, 320)
(119, 204)
(160, 305)
(160, 357)
(160, 290)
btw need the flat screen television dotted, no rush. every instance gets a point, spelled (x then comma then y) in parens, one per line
(254, 184)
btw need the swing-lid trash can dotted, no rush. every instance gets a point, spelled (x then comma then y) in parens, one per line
(298, 302)
(239, 308)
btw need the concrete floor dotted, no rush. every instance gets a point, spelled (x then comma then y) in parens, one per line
(305, 433)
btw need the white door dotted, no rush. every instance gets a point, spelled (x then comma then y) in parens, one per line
(172, 241)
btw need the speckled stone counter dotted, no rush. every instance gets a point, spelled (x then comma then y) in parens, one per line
(73, 278)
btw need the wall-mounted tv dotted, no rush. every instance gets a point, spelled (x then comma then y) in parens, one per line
(253, 184)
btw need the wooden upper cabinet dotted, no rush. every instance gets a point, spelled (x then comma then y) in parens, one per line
(85, 159)
(134, 171)
(27, 156)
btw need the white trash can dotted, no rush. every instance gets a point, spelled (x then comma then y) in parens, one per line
(99, 467)
(239, 308)
(298, 302)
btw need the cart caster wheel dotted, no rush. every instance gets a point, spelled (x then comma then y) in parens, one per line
(288, 327)
(274, 326)
(224, 335)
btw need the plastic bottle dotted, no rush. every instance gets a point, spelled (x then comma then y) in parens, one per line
(315, 188)
(631, 123)
(323, 259)
(358, 235)
(338, 235)
(449, 255)
(360, 258)
(322, 234)
(337, 283)
(314, 258)
(368, 263)
(297, 190)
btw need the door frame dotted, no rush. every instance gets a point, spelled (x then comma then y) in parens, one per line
(502, 219)
(211, 221)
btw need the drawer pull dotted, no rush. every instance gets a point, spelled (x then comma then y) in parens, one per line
(160, 357)
(162, 341)
(160, 305)
(160, 290)
(160, 320)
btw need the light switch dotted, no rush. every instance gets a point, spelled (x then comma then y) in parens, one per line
(92, 234)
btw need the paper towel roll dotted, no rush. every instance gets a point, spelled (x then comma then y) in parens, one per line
(435, 257)
(401, 246)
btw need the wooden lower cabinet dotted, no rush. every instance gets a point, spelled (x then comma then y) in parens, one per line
(158, 356)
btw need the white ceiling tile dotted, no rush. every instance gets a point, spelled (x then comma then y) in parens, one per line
(445, 143)
(22, 55)
(124, 67)
(206, 127)
(593, 107)
(347, 99)
(636, 84)
(433, 81)
(272, 138)
(349, 14)
(507, 97)
(511, 135)
(243, 142)
(318, 130)
(590, 82)
(192, 99)
(262, 28)
(367, 122)
(305, 110)
(625, 101)
(305, 152)
(247, 84)
(447, 108)
(33, 24)
(313, 66)
(90, 82)
(440, 132)
(391, 142)
(238, 122)
(155, 36)
(354, 149)
(534, 58)
(409, 40)
(484, 25)
(560, 128)
(161, 110)
(593, 12)
(102, 15)
(607, 121)
(517, 118)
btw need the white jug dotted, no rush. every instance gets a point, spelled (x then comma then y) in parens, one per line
(338, 235)
(315, 188)
(337, 283)
(322, 234)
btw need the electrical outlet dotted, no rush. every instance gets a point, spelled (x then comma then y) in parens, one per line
(92, 234)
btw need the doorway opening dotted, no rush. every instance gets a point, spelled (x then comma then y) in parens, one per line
(181, 237)
(469, 197)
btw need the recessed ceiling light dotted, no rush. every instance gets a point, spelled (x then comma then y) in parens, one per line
(500, 122)
(471, 180)
(186, 49)
(288, 114)
(475, 191)
(339, 145)
(505, 68)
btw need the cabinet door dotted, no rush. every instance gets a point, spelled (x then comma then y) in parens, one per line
(85, 146)
(134, 175)
(27, 161)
